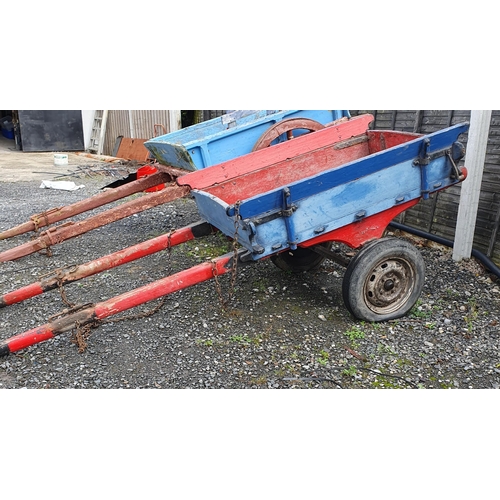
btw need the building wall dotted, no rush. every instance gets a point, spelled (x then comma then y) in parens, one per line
(138, 124)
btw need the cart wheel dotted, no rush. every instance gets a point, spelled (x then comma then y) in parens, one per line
(384, 280)
(300, 259)
(286, 127)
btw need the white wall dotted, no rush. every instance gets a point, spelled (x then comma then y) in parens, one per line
(88, 121)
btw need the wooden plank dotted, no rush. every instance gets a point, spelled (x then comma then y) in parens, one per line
(264, 158)
(133, 149)
(287, 172)
(364, 167)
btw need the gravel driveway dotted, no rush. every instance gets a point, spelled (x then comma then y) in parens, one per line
(281, 330)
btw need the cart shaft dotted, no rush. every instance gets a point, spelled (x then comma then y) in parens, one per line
(120, 303)
(130, 254)
(58, 214)
(70, 230)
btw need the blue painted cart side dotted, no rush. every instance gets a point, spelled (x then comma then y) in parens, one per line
(226, 137)
(292, 214)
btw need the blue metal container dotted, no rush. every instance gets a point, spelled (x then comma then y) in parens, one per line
(226, 137)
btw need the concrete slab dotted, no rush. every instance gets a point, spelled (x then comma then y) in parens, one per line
(18, 166)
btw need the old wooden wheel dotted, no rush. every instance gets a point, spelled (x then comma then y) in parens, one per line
(286, 127)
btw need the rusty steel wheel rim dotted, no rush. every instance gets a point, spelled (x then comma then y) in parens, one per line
(389, 285)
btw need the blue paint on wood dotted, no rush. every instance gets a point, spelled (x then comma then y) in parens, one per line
(226, 137)
(335, 198)
(354, 170)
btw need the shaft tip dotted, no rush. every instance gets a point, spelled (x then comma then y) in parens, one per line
(4, 350)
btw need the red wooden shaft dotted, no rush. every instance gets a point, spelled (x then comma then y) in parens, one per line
(62, 233)
(165, 286)
(58, 214)
(103, 263)
(28, 338)
(26, 292)
(115, 305)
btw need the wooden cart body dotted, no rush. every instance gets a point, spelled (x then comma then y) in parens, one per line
(321, 185)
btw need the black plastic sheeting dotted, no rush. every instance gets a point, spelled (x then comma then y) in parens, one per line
(488, 263)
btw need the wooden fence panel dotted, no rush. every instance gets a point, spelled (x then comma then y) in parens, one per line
(438, 214)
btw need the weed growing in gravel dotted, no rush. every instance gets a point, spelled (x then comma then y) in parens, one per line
(418, 312)
(240, 339)
(214, 246)
(350, 372)
(260, 285)
(323, 357)
(473, 314)
(452, 294)
(383, 383)
(206, 342)
(262, 380)
(354, 333)
(385, 349)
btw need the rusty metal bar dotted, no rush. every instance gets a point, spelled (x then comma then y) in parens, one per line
(115, 305)
(58, 214)
(58, 234)
(61, 277)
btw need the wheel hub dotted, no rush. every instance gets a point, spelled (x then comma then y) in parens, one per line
(389, 285)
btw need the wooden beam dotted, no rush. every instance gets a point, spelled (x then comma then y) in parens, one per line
(471, 188)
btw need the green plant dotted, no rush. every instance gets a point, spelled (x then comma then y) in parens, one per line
(418, 312)
(261, 380)
(240, 339)
(473, 314)
(350, 372)
(214, 246)
(354, 333)
(260, 285)
(384, 348)
(206, 342)
(323, 357)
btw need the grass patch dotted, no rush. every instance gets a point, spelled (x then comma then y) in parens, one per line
(210, 247)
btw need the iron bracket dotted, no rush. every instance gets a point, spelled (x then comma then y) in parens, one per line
(287, 212)
(455, 153)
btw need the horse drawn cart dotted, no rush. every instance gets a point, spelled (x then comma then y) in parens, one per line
(283, 186)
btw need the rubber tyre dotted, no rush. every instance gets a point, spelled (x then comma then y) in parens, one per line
(300, 260)
(384, 280)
